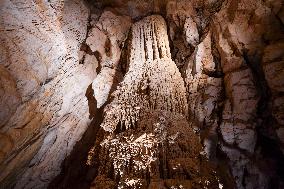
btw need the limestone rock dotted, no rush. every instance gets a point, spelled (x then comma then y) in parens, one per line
(273, 65)
(203, 91)
(10, 98)
(191, 32)
(111, 30)
(158, 147)
(93, 42)
(51, 83)
(151, 79)
(273, 68)
(104, 84)
(148, 141)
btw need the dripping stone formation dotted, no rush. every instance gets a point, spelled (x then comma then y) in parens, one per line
(148, 142)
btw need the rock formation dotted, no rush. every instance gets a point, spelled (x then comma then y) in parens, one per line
(149, 143)
(45, 85)
(180, 87)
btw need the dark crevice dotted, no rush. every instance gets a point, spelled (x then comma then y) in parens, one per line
(99, 59)
(267, 140)
(125, 52)
(180, 49)
(84, 47)
(216, 55)
(108, 47)
(47, 81)
(222, 160)
(215, 74)
(75, 173)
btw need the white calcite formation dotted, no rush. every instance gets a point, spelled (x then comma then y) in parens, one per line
(149, 142)
(161, 151)
(152, 82)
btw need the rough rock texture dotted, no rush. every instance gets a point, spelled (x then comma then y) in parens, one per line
(156, 154)
(241, 38)
(148, 142)
(152, 80)
(107, 39)
(44, 110)
(65, 62)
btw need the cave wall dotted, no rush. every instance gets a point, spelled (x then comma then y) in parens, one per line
(230, 54)
(44, 110)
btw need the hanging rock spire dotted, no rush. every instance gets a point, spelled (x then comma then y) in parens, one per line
(153, 145)
(153, 82)
(149, 41)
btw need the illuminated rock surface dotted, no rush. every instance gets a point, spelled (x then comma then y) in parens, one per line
(69, 70)
(149, 142)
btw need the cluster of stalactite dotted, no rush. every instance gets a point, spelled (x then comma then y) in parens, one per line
(153, 82)
(148, 141)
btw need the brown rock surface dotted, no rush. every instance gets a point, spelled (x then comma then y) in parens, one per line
(209, 72)
(47, 92)
(148, 142)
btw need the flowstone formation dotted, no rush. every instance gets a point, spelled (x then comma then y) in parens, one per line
(152, 81)
(148, 142)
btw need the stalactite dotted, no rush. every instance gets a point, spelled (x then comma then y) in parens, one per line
(153, 140)
(153, 80)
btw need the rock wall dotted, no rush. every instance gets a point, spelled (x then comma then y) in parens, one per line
(62, 63)
(44, 110)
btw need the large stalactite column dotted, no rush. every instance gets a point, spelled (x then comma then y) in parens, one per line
(152, 82)
(148, 141)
